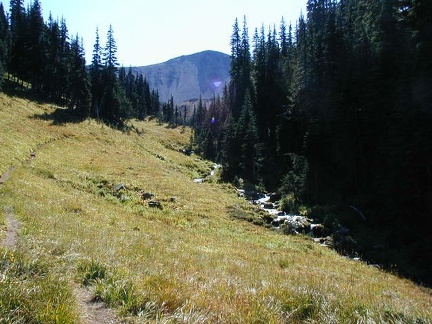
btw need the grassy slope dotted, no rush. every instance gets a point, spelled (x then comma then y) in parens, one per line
(191, 261)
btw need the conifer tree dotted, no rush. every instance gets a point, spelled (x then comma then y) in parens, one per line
(235, 71)
(285, 40)
(231, 146)
(131, 87)
(154, 104)
(36, 44)
(422, 28)
(114, 104)
(122, 77)
(143, 97)
(168, 112)
(110, 55)
(3, 43)
(240, 82)
(52, 72)
(96, 77)
(247, 134)
(63, 65)
(18, 27)
(79, 86)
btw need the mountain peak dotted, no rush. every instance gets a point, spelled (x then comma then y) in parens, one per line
(189, 76)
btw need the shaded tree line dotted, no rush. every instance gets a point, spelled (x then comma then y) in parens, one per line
(41, 55)
(335, 111)
(43, 58)
(4, 36)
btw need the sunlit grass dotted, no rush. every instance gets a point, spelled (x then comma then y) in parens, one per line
(189, 261)
(30, 293)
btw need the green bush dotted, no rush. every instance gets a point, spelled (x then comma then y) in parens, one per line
(91, 271)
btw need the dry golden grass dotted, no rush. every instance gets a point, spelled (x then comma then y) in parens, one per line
(190, 262)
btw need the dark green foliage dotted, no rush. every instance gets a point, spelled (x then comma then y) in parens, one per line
(36, 46)
(140, 101)
(90, 272)
(168, 112)
(113, 102)
(51, 66)
(96, 76)
(241, 82)
(79, 86)
(117, 95)
(247, 136)
(41, 56)
(343, 110)
(17, 59)
(3, 43)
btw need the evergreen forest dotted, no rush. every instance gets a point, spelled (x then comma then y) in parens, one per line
(334, 113)
(43, 58)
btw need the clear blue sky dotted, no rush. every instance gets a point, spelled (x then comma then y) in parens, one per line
(149, 32)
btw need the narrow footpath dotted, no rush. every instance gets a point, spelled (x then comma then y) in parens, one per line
(91, 312)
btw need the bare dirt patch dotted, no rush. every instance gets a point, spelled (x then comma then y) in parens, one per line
(6, 175)
(13, 225)
(92, 312)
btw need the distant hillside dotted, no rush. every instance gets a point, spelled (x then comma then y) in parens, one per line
(189, 76)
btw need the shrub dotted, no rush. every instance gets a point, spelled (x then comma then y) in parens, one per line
(91, 271)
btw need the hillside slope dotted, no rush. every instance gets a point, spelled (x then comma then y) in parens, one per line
(189, 76)
(119, 213)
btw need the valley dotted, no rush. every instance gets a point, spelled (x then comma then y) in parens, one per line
(85, 220)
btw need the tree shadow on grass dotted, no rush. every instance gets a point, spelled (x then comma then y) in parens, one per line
(61, 116)
(14, 89)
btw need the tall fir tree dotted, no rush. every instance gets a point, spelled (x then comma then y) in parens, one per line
(96, 77)
(4, 32)
(79, 86)
(240, 82)
(18, 27)
(52, 71)
(36, 47)
(247, 134)
(114, 105)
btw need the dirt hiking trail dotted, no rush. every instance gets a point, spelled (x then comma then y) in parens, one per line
(90, 312)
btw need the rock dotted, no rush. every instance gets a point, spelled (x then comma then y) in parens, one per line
(274, 197)
(187, 152)
(147, 195)
(198, 180)
(296, 224)
(268, 206)
(123, 198)
(317, 230)
(268, 218)
(276, 223)
(325, 241)
(155, 204)
(120, 186)
(240, 193)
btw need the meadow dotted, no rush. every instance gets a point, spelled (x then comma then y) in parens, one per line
(80, 192)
